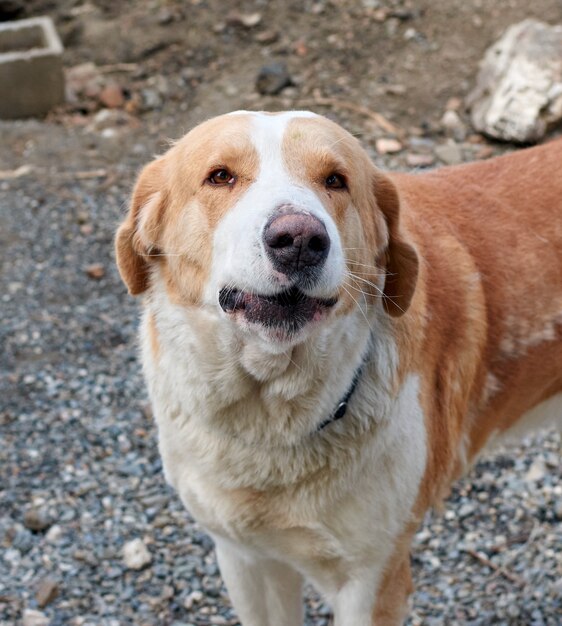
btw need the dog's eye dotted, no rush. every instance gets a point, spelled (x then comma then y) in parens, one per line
(221, 177)
(335, 181)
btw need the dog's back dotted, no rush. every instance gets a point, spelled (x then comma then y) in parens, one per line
(492, 233)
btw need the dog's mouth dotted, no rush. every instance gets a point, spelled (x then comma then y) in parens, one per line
(288, 310)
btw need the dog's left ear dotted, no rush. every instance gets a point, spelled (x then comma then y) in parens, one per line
(402, 262)
(134, 245)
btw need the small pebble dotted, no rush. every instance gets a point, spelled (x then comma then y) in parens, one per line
(420, 160)
(388, 146)
(195, 597)
(47, 591)
(31, 617)
(273, 78)
(136, 555)
(267, 36)
(36, 519)
(95, 270)
(111, 96)
(450, 153)
(248, 20)
(451, 120)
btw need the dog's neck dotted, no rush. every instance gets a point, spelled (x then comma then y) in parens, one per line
(248, 388)
(250, 432)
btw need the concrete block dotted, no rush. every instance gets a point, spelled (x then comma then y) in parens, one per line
(31, 76)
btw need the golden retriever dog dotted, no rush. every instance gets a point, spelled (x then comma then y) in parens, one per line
(327, 346)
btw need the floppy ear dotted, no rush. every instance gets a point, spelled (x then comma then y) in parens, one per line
(134, 239)
(401, 258)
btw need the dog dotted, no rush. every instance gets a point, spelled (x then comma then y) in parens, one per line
(327, 347)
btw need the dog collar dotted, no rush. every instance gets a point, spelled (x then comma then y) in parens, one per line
(341, 409)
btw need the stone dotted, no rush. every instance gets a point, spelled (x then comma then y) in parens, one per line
(36, 519)
(109, 118)
(136, 555)
(450, 153)
(518, 93)
(453, 125)
(23, 539)
(30, 68)
(165, 16)
(195, 597)
(484, 153)
(466, 510)
(388, 146)
(151, 99)
(536, 471)
(267, 37)
(31, 617)
(95, 271)
(247, 20)
(453, 104)
(420, 160)
(557, 588)
(451, 120)
(395, 90)
(272, 79)
(84, 80)
(111, 96)
(47, 591)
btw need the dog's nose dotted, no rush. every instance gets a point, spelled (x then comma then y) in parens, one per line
(296, 241)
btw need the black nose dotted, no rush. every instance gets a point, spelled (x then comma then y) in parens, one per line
(296, 242)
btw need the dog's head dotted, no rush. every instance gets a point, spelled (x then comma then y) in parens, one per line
(277, 221)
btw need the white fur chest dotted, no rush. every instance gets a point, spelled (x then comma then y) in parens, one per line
(245, 456)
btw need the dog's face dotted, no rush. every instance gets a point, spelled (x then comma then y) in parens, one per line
(276, 222)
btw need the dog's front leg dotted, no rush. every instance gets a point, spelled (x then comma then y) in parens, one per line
(264, 592)
(354, 601)
(373, 597)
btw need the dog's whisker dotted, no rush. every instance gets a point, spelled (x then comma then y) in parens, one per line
(363, 293)
(364, 280)
(358, 305)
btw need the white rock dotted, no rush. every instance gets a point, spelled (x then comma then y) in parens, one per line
(518, 94)
(34, 618)
(194, 597)
(451, 120)
(136, 554)
(108, 119)
(54, 533)
(386, 145)
(537, 470)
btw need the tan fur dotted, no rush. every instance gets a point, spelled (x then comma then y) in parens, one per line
(153, 336)
(500, 222)
(176, 182)
(461, 272)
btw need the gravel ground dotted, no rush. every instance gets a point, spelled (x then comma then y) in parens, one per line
(82, 498)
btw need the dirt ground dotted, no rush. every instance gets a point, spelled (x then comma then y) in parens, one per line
(404, 59)
(77, 439)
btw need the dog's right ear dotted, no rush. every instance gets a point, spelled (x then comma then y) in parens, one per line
(402, 263)
(135, 239)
